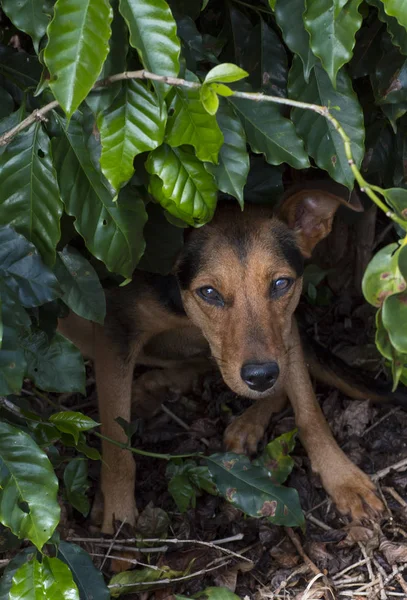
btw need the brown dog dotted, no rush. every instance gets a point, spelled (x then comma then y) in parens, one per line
(237, 284)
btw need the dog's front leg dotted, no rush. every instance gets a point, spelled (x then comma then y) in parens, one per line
(114, 376)
(350, 488)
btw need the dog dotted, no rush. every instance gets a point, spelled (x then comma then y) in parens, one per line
(230, 301)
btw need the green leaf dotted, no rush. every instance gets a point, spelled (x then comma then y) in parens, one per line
(76, 484)
(397, 9)
(394, 314)
(265, 58)
(75, 419)
(288, 15)
(189, 123)
(264, 183)
(6, 104)
(322, 142)
(12, 361)
(23, 272)
(101, 98)
(389, 80)
(367, 49)
(275, 457)
(271, 134)
(397, 199)
(332, 26)
(382, 277)
(81, 287)
(231, 172)
(397, 33)
(209, 99)
(50, 579)
(29, 16)
(30, 201)
(249, 488)
(214, 593)
(20, 69)
(110, 229)
(77, 46)
(225, 73)
(128, 582)
(187, 479)
(153, 32)
(54, 366)
(89, 580)
(28, 495)
(13, 566)
(272, 4)
(182, 185)
(135, 123)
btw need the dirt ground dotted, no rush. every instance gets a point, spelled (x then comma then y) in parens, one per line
(333, 558)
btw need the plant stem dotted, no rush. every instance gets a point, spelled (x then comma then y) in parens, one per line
(145, 452)
(253, 96)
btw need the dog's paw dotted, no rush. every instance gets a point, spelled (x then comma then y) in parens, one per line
(354, 494)
(242, 436)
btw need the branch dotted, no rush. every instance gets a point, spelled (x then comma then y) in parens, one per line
(254, 96)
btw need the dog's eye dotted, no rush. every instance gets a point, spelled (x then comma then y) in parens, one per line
(210, 295)
(280, 286)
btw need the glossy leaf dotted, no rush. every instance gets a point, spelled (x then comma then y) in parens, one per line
(271, 134)
(75, 419)
(76, 484)
(101, 98)
(397, 32)
(30, 201)
(153, 32)
(134, 123)
(77, 46)
(397, 199)
(382, 277)
(397, 9)
(128, 582)
(225, 73)
(182, 185)
(209, 99)
(265, 58)
(322, 142)
(394, 314)
(13, 566)
(28, 495)
(189, 123)
(249, 488)
(49, 579)
(332, 28)
(233, 168)
(81, 287)
(29, 16)
(89, 580)
(276, 457)
(289, 18)
(110, 229)
(23, 271)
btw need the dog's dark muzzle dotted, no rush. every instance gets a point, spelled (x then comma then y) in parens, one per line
(260, 377)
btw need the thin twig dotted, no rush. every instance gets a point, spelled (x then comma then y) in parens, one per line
(112, 544)
(181, 423)
(398, 466)
(297, 544)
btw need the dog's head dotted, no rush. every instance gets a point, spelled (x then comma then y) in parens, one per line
(241, 278)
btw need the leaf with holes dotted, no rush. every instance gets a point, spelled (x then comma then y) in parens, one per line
(271, 134)
(29, 16)
(30, 199)
(111, 230)
(134, 123)
(28, 495)
(153, 32)
(382, 277)
(49, 579)
(54, 365)
(89, 580)
(397, 9)
(81, 287)
(249, 488)
(233, 168)
(189, 123)
(181, 184)
(76, 484)
(332, 26)
(322, 142)
(288, 15)
(77, 46)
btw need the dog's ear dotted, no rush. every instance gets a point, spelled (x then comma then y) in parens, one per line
(310, 213)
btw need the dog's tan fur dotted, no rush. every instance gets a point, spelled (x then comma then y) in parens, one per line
(238, 254)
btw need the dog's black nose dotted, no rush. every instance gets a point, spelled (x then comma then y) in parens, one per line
(260, 376)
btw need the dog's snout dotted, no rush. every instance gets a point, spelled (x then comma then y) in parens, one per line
(260, 376)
